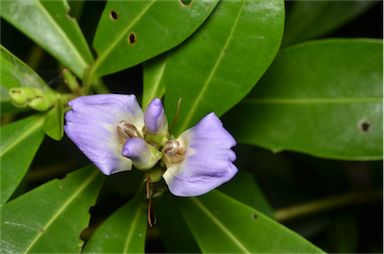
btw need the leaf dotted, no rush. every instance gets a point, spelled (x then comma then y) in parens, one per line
(222, 224)
(19, 143)
(223, 60)
(124, 231)
(54, 122)
(49, 25)
(323, 98)
(130, 32)
(312, 19)
(172, 226)
(245, 189)
(153, 72)
(15, 73)
(343, 233)
(51, 217)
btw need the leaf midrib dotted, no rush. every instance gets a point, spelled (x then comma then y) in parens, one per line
(192, 110)
(132, 229)
(221, 226)
(24, 135)
(63, 35)
(114, 43)
(341, 100)
(61, 209)
(157, 81)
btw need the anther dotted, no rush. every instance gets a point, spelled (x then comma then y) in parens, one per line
(127, 130)
(173, 151)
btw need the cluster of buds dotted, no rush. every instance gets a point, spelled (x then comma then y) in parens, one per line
(115, 134)
(33, 97)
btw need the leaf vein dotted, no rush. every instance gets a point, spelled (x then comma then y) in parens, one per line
(312, 100)
(61, 209)
(221, 226)
(213, 71)
(24, 135)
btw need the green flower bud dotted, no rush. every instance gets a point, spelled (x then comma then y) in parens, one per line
(43, 101)
(20, 96)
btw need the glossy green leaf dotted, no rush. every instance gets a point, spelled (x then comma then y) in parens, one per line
(221, 224)
(54, 122)
(245, 189)
(130, 32)
(14, 73)
(323, 98)
(311, 19)
(51, 217)
(223, 60)
(50, 26)
(153, 72)
(19, 143)
(173, 226)
(124, 231)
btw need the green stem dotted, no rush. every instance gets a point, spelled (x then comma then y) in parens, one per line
(327, 204)
(99, 87)
(35, 56)
(89, 77)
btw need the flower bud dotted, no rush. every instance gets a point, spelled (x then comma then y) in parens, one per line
(43, 101)
(20, 96)
(156, 122)
(144, 156)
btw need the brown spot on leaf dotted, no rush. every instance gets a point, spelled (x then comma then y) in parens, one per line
(113, 15)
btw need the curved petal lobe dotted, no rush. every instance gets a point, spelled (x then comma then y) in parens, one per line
(92, 126)
(208, 159)
(155, 119)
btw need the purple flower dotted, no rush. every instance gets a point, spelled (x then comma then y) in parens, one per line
(200, 159)
(100, 124)
(112, 131)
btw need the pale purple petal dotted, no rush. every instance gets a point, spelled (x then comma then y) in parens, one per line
(134, 148)
(143, 155)
(208, 159)
(92, 125)
(154, 117)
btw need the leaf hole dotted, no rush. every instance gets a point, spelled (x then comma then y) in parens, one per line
(186, 2)
(254, 216)
(113, 15)
(364, 125)
(131, 38)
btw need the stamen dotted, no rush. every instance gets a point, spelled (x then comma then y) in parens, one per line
(127, 130)
(173, 151)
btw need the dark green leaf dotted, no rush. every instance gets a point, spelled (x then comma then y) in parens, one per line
(19, 143)
(223, 60)
(222, 224)
(311, 19)
(343, 233)
(54, 122)
(153, 72)
(323, 98)
(172, 226)
(49, 25)
(245, 189)
(124, 231)
(130, 32)
(51, 217)
(14, 73)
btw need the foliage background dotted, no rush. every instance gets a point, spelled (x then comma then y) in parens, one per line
(334, 204)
